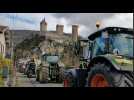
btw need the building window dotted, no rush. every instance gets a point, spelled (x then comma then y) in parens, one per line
(7, 44)
(2, 49)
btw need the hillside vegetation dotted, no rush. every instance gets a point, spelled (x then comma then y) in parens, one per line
(25, 47)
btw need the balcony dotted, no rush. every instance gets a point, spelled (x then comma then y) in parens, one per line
(7, 38)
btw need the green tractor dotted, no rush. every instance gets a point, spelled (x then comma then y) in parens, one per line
(109, 62)
(50, 69)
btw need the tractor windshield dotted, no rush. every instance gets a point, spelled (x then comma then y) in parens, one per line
(52, 59)
(123, 44)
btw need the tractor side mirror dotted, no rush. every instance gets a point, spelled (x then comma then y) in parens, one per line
(90, 45)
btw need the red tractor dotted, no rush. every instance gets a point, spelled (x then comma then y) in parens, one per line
(109, 62)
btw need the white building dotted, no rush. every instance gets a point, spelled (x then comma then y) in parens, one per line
(4, 40)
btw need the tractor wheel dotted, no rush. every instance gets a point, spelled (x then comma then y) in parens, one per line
(43, 75)
(101, 76)
(69, 80)
(37, 75)
(61, 75)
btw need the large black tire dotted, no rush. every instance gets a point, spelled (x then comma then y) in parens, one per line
(37, 75)
(61, 75)
(69, 80)
(112, 78)
(44, 75)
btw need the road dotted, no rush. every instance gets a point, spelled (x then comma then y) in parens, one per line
(23, 81)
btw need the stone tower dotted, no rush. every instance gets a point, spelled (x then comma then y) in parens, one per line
(75, 32)
(43, 25)
(59, 29)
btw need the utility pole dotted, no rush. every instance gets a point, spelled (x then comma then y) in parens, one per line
(12, 43)
(13, 70)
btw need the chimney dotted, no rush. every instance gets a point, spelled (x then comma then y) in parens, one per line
(59, 29)
(75, 32)
(43, 25)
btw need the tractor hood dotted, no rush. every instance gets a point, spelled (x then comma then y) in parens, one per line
(120, 62)
(45, 64)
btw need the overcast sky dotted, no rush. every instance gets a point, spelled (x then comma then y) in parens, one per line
(86, 21)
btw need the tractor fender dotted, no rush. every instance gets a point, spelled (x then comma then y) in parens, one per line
(103, 59)
(72, 71)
